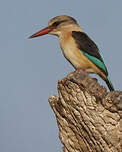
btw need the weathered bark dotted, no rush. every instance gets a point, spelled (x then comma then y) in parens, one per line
(89, 118)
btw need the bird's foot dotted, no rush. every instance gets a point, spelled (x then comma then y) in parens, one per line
(81, 69)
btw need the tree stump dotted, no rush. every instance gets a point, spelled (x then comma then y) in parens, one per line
(89, 118)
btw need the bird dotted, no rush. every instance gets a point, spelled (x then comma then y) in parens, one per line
(77, 47)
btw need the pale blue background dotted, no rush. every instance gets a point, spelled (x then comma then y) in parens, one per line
(30, 69)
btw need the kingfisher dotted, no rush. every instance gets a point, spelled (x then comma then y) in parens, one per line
(77, 47)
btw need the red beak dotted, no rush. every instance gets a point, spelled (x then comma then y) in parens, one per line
(42, 32)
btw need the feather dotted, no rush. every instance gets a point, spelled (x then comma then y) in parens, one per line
(89, 49)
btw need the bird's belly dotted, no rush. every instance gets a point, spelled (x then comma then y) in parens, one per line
(74, 55)
(76, 58)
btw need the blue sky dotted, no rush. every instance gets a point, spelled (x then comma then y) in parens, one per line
(30, 69)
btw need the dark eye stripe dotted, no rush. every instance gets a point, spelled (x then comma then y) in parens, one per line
(55, 24)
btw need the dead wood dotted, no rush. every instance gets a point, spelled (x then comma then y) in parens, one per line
(89, 118)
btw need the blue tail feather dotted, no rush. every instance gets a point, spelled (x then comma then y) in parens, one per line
(109, 83)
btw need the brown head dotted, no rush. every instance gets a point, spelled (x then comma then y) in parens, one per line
(56, 25)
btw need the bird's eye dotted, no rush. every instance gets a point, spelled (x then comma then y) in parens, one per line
(55, 24)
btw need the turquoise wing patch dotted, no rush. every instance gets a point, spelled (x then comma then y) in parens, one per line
(97, 62)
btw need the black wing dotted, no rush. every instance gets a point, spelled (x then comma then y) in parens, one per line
(86, 45)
